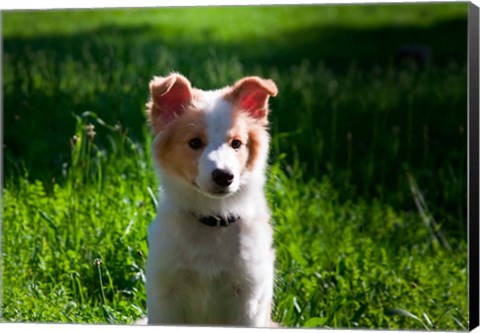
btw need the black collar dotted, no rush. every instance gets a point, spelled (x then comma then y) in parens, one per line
(217, 221)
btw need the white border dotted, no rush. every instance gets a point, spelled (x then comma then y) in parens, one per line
(75, 328)
(76, 4)
(1, 165)
(70, 4)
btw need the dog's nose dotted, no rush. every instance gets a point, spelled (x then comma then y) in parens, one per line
(222, 177)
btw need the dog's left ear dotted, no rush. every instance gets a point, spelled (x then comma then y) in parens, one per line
(251, 95)
(169, 96)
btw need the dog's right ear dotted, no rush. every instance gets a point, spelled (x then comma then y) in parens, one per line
(168, 98)
(251, 95)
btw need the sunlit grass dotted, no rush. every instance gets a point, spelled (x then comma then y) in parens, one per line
(367, 182)
(77, 253)
(251, 21)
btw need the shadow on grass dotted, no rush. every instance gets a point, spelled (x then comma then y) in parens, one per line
(334, 45)
(107, 71)
(108, 50)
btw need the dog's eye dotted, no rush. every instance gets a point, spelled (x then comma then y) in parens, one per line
(236, 144)
(195, 143)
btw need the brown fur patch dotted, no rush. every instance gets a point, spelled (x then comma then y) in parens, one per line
(253, 135)
(238, 131)
(254, 145)
(255, 121)
(172, 149)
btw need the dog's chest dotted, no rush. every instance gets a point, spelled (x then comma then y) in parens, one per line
(209, 300)
(215, 251)
(209, 271)
(179, 244)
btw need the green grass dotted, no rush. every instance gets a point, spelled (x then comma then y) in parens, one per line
(340, 264)
(368, 165)
(95, 214)
(356, 264)
(249, 21)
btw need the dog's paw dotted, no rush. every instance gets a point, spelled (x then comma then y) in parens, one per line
(141, 321)
(272, 324)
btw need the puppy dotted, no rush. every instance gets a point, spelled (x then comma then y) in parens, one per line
(210, 260)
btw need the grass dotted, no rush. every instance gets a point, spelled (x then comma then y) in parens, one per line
(368, 166)
(96, 216)
(343, 264)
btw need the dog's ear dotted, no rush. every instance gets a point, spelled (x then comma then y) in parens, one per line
(251, 95)
(168, 97)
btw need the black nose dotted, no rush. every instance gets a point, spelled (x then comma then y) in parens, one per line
(222, 177)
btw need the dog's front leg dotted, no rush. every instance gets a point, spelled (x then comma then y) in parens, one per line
(261, 303)
(261, 307)
(164, 301)
(165, 310)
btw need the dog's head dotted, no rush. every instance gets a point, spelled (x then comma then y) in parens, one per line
(210, 140)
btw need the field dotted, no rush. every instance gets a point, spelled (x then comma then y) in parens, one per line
(367, 180)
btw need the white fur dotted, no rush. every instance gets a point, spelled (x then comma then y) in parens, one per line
(217, 154)
(204, 275)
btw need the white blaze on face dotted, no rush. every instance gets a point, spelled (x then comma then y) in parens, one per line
(218, 153)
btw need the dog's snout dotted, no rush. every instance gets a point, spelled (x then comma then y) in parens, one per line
(222, 177)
